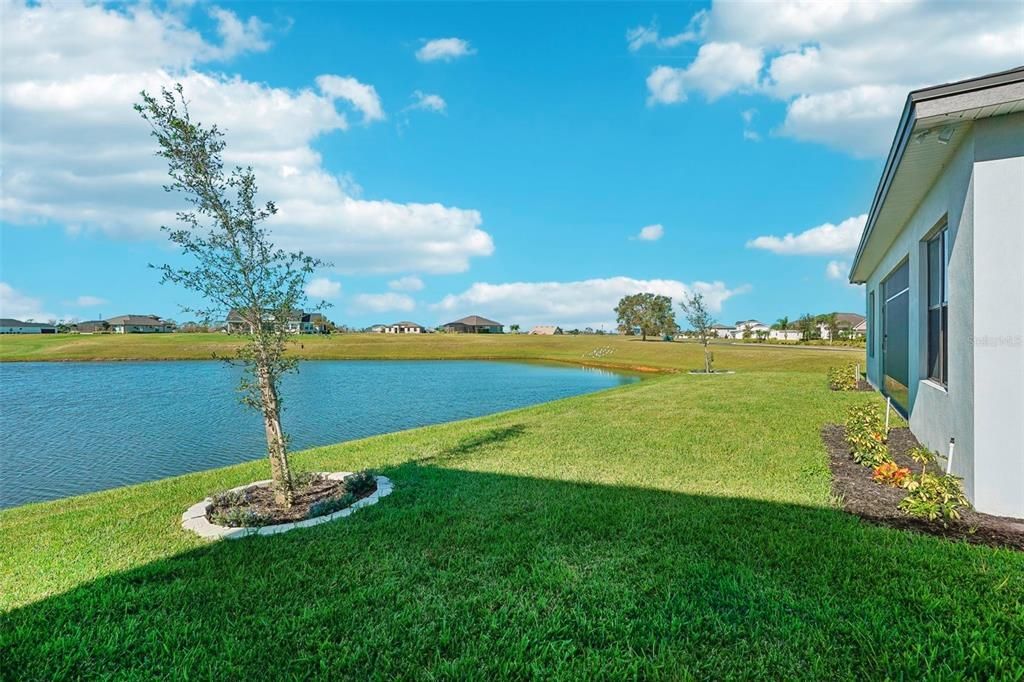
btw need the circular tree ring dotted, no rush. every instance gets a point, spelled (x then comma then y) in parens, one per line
(194, 519)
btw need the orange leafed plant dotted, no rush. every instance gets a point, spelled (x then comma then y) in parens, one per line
(890, 473)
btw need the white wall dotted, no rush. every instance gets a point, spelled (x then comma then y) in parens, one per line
(999, 316)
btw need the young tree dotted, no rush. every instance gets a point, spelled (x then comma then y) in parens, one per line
(831, 322)
(782, 324)
(514, 328)
(701, 321)
(808, 327)
(233, 264)
(650, 313)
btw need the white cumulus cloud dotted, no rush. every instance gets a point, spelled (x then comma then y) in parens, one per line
(641, 36)
(323, 288)
(650, 233)
(444, 49)
(824, 240)
(75, 153)
(360, 95)
(428, 102)
(17, 305)
(842, 67)
(89, 301)
(585, 303)
(837, 269)
(382, 303)
(408, 283)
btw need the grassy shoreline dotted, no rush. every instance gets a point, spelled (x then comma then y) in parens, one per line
(679, 527)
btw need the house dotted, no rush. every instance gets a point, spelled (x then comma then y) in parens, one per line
(748, 329)
(139, 324)
(377, 328)
(849, 325)
(404, 327)
(474, 324)
(92, 326)
(298, 322)
(722, 331)
(9, 326)
(546, 330)
(940, 258)
(785, 334)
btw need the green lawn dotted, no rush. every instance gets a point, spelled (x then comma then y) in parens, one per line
(676, 528)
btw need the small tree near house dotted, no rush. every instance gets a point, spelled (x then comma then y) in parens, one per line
(233, 264)
(701, 321)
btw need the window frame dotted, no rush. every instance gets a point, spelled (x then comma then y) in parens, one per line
(871, 323)
(937, 358)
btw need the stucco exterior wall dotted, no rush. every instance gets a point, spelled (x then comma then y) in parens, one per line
(981, 195)
(998, 341)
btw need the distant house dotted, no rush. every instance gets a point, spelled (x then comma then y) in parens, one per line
(299, 322)
(474, 324)
(722, 331)
(139, 324)
(849, 324)
(377, 328)
(785, 334)
(92, 326)
(9, 326)
(546, 330)
(749, 329)
(404, 327)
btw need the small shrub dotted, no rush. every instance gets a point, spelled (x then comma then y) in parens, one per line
(891, 474)
(360, 483)
(230, 498)
(865, 433)
(934, 496)
(238, 517)
(842, 378)
(330, 505)
(305, 479)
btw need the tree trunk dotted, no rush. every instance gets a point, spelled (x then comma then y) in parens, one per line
(707, 358)
(280, 472)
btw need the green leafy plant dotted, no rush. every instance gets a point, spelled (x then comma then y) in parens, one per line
(932, 496)
(331, 505)
(360, 483)
(230, 498)
(842, 378)
(865, 433)
(238, 517)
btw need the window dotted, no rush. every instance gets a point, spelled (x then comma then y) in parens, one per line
(938, 305)
(871, 324)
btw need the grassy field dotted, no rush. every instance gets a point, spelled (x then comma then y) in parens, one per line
(676, 528)
(614, 351)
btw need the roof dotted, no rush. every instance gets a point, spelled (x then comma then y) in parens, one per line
(852, 319)
(404, 323)
(742, 323)
(545, 329)
(9, 322)
(721, 326)
(476, 321)
(916, 157)
(137, 320)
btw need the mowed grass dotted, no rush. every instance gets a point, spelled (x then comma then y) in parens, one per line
(677, 528)
(608, 350)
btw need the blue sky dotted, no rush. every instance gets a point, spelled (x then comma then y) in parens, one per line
(494, 159)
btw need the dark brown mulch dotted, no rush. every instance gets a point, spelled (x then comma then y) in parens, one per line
(260, 499)
(877, 503)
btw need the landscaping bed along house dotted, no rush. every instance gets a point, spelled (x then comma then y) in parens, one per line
(887, 477)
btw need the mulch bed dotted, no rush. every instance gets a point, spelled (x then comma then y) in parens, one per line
(260, 499)
(877, 503)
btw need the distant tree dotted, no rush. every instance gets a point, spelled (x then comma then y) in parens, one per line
(782, 323)
(762, 334)
(700, 320)
(233, 263)
(651, 314)
(748, 330)
(831, 322)
(514, 328)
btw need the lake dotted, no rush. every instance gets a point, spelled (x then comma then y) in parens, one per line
(75, 427)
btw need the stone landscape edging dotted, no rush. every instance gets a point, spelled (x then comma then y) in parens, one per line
(194, 518)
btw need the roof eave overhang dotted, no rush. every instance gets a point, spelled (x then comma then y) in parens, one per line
(859, 271)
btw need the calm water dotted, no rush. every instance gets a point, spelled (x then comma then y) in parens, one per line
(70, 428)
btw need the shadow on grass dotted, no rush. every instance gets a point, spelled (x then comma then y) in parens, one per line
(473, 575)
